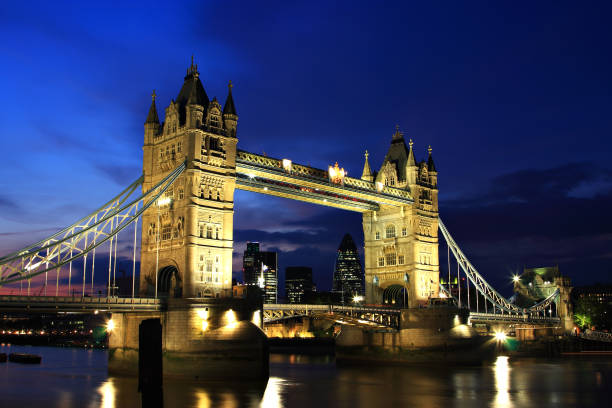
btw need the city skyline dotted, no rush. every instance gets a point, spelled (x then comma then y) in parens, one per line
(518, 131)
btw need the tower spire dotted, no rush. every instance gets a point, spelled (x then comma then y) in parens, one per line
(152, 116)
(367, 171)
(229, 108)
(430, 163)
(411, 160)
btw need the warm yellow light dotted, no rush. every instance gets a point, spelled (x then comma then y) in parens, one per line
(256, 318)
(204, 325)
(163, 201)
(357, 299)
(110, 325)
(287, 165)
(516, 278)
(202, 313)
(500, 336)
(230, 318)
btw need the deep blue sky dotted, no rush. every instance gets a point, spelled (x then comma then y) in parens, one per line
(515, 99)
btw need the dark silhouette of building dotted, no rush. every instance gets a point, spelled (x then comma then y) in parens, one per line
(348, 274)
(298, 282)
(261, 269)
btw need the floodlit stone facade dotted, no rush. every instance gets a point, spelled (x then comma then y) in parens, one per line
(401, 243)
(187, 237)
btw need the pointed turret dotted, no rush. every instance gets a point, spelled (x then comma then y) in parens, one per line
(411, 160)
(367, 171)
(229, 108)
(192, 93)
(431, 167)
(395, 161)
(152, 117)
(151, 125)
(230, 117)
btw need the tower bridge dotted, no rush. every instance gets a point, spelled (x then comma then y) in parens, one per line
(184, 214)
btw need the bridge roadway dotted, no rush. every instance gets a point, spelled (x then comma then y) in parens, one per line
(282, 178)
(366, 316)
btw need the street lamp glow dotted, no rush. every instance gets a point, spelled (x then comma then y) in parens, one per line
(357, 299)
(500, 336)
(110, 325)
(516, 278)
(164, 201)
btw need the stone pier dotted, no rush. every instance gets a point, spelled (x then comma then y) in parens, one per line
(201, 339)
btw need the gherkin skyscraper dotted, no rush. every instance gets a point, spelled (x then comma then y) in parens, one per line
(348, 274)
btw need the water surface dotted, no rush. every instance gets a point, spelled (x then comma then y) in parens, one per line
(71, 377)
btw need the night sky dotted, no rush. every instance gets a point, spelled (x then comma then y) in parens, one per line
(515, 100)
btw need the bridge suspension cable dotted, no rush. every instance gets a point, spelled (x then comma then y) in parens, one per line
(85, 235)
(482, 286)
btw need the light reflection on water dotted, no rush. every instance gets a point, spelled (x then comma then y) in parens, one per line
(502, 382)
(77, 378)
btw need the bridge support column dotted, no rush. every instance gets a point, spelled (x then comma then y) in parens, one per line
(564, 304)
(215, 339)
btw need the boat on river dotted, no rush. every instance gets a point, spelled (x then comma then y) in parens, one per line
(24, 358)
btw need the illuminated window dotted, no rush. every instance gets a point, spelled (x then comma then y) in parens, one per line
(390, 231)
(166, 233)
(404, 231)
(381, 261)
(377, 236)
(390, 259)
(400, 259)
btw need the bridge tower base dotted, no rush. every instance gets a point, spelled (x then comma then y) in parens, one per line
(201, 339)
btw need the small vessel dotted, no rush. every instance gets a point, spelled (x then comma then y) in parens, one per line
(24, 358)
(2, 357)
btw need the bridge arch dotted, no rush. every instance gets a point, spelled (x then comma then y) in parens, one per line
(395, 295)
(169, 283)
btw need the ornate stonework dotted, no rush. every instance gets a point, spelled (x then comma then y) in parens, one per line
(401, 243)
(188, 237)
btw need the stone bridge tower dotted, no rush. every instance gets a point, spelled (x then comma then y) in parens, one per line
(187, 238)
(401, 243)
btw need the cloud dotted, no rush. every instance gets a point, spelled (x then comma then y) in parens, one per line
(535, 218)
(120, 174)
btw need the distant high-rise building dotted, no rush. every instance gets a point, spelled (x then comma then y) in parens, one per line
(269, 272)
(298, 282)
(348, 274)
(250, 263)
(261, 268)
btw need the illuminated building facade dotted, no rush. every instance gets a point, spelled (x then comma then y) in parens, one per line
(298, 283)
(187, 238)
(348, 275)
(401, 243)
(260, 268)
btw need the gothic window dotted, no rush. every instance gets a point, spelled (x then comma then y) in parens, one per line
(166, 233)
(217, 233)
(404, 231)
(175, 233)
(381, 261)
(214, 143)
(174, 126)
(390, 231)
(209, 231)
(201, 233)
(181, 193)
(179, 147)
(400, 259)
(377, 235)
(390, 259)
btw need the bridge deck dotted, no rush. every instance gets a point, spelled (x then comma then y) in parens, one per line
(68, 304)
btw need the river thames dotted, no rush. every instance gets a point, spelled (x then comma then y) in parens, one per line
(71, 377)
